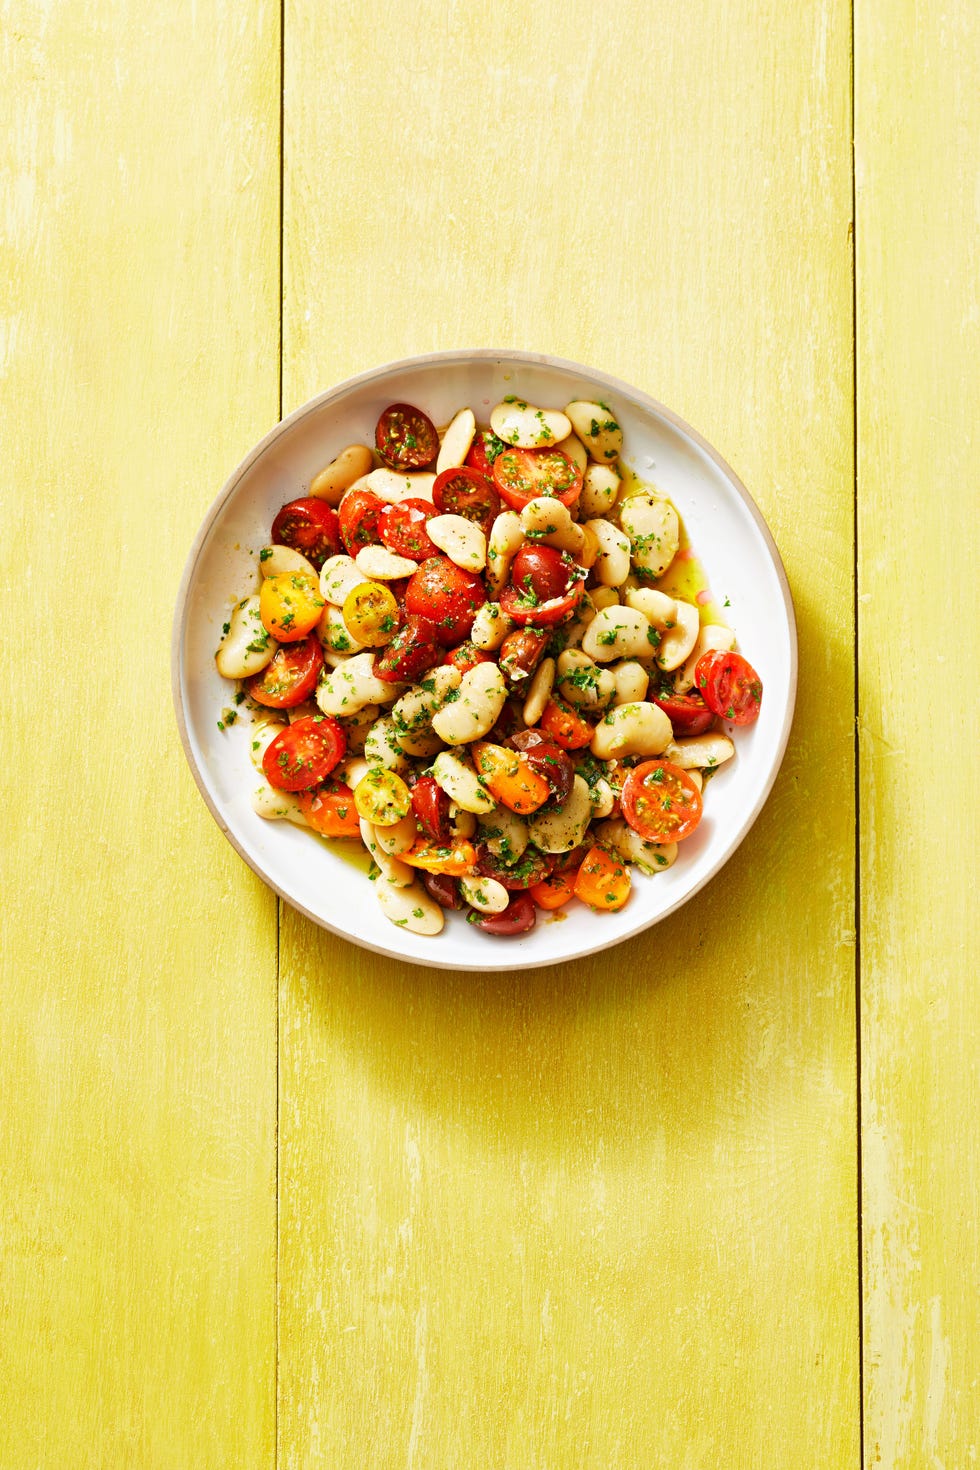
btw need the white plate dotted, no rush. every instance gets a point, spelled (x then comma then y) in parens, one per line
(726, 531)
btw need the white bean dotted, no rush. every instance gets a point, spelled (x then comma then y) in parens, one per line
(399, 874)
(333, 632)
(649, 857)
(618, 632)
(279, 561)
(581, 682)
(247, 647)
(461, 823)
(263, 732)
(381, 747)
(399, 837)
(656, 606)
(339, 576)
(457, 778)
(412, 713)
(574, 632)
(482, 693)
(546, 520)
(506, 540)
(490, 626)
(485, 894)
(612, 565)
(356, 727)
(339, 475)
(597, 428)
(463, 541)
(379, 564)
(353, 685)
(604, 597)
(352, 769)
(603, 798)
(505, 834)
(565, 827)
(539, 693)
(711, 636)
(277, 805)
(654, 532)
(632, 682)
(576, 451)
(703, 752)
(392, 485)
(410, 908)
(600, 491)
(456, 441)
(676, 642)
(639, 728)
(528, 427)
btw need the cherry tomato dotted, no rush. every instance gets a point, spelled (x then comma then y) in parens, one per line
(304, 753)
(290, 605)
(371, 614)
(381, 797)
(509, 778)
(444, 593)
(565, 727)
(466, 492)
(456, 858)
(466, 655)
(603, 881)
(518, 917)
(483, 451)
(553, 892)
(309, 526)
(359, 520)
(330, 810)
(290, 678)
(521, 652)
(406, 437)
(661, 802)
(523, 474)
(431, 807)
(545, 586)
(412, 650)
(687, 713)
(730, 685)
(532, 867)
(402, 528)
(444, 889)
(548, 759)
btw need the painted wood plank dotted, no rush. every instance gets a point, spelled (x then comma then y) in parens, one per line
(605, 1216)
(917, 126)
(138, 357)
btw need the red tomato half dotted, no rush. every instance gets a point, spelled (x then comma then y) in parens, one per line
(687, 713)
(545, 586)
(304, 753)
(412, 650)
(360, 512)
(406, 437)
(730, 686)
(442, 592)
(518, 917)
(431, 807)
(309, 526)
(466, 656)
(402, 528)
(532, 867)
(523, 474)
(661, 802)
(483, 451)
(290, 678)
(466, 492)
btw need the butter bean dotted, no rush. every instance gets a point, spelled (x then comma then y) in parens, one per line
(597, 428)
(340, 474)
(527, 426)
(456, 441)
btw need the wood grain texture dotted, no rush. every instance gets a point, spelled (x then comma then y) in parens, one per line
(604, 1216)
(917, 155)
(138, 358)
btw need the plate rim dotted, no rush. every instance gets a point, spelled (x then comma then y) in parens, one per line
(458, 356)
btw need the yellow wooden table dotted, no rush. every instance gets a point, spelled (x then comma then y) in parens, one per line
(712, 1199)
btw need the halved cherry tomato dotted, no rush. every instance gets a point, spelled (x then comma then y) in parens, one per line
(442, 592)
(371, 614)
(548, 759)
(455, 859)
(523, 474)
(406, 437)
(687, 713)
(290, 605)
(730, 686)
(532, 867)
(553, 892)
(509, 778)
(444, 889)
(468, 493)
(412, 650)
(518, 917)
(545, 586)
(290, 678)
(603, 881)
(309, 526)
(466, 655)
(483, 451)
(661, 802)
(431, 807)
(381, 797)
(565, 727)
(521, 652)
(330, 810)
(359, 520)
(402, 528)
(304, 753)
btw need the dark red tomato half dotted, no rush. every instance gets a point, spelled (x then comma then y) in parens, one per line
(360, 512)
(518, 917)
(413, 649)
(687, 713)
(533, 867)
(304, 753)
(730, 686)
(406, 437)
(309, 526)
(442, 592)
(548, 760)
(402, 528)
(523, 474)
(443, 889)
(468, 493)
(431, 807)
(545, 586)
(290, 678)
